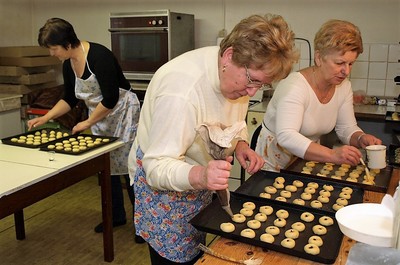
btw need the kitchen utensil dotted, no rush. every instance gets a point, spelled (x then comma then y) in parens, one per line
(224, 198)
(376, 156)
(366, 170)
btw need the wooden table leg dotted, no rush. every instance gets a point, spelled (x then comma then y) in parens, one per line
(105, 180)
(19, 224)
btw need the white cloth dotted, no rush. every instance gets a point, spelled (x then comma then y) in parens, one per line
(296, 117)
(182, 94)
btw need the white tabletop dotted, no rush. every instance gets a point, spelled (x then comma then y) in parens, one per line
(21, 167)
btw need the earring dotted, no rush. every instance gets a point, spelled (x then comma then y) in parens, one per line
(224, 68)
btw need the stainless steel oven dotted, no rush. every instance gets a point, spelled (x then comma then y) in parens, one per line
(143, 41)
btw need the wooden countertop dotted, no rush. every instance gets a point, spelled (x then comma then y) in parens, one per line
(242, 251)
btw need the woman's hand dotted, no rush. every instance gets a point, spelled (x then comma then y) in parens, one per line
(81, 126)
(346, 154)
(213, 177)
(248, 158)
(368, 139)
(36, 122)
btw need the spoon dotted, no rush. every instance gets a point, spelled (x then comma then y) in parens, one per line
(366, 170)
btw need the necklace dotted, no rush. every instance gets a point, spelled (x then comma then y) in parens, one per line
(324, 98)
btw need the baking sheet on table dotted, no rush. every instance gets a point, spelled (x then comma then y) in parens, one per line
(31, 134)
(394, 155)
(257, 182)
(210, 218)
(382, 179)
(81, 138)
(389, 114)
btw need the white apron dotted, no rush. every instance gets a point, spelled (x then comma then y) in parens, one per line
(121, 122)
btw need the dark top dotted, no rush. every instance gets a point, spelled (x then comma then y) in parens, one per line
(105, 66)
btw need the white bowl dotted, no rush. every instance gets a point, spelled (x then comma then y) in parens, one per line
(369, 223)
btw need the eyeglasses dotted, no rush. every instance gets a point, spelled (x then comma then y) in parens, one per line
(255, 84)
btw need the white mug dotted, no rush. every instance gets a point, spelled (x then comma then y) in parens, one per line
(376, 156)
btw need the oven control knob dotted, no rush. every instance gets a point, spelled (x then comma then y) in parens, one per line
(160, 22)
(153, 22)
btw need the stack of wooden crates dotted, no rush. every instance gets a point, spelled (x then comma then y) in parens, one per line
(26, 69)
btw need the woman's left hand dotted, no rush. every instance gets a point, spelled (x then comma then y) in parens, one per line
(368, 139)
(81, 126)
(248, 158)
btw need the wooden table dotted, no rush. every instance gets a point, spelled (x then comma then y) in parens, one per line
(27, 176)
(242, 251)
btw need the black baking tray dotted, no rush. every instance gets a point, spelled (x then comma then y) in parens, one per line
(388, 116)
(382, 179)
(110, 140)
(7, 140)
(256, 183)
(394, 155)
(210, 218)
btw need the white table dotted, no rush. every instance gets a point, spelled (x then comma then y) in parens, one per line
(27, 176)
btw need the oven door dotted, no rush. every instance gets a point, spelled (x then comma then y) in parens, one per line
(140, 51)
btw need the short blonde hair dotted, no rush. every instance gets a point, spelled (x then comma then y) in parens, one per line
(263, 42)
(338, 35)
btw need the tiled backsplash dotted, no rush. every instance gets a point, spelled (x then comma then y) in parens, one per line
(373, 72)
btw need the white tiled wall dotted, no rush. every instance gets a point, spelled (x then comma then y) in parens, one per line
(373, 72)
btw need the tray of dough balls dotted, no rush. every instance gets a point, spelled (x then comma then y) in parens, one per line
(78, 144)
(36, 138)
(394, 155)
(344, 173)
(309, 192)
(287, 228)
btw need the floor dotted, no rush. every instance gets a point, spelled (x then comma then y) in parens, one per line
(59, 230)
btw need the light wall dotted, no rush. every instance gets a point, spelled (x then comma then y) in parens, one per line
(378, 20)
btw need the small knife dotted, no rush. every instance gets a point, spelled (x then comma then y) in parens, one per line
(224, 199)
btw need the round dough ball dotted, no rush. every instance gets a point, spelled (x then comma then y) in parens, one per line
(336, 177)
(345, 166)
(325, 172)
(328, 187)
(319, 230)
(288, 243)
(285, 194)
(311, 249)
(299, 226)
(340, 173)
(227, 227)
(280, 222)
(106, 140)
(278, 185)
(282, 214)
(328, 167)
(344, 169)
(342, 201)
(262, 217)
(306, 196)
(316, 204)
(326, 220)
(299, 201)
(249, 205)
(336, 207)
(345, 195)
(248, 233)
(239, 218)
(316, 240)
(298, 183)
(265, 195)
(266, 209)
(280, 180)
(347, 190)
(309, 169)
(323, 198)
(21, 141)
(350, 179)
(325, 193)
(354, 175)
(291, 188)
(313, 184)
(267, 238)
(310, 190)
(14, 140)
(270, 189)
(307, 217)
(246, 212)
(273, 230)
(306, 172)
(254, 224)
(280, 198)
(310, 164)
(292, 233)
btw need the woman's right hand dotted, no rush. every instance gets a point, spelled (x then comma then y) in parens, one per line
(36, 122)
(213, 177)
(346, 154)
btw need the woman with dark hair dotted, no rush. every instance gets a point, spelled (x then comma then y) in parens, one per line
(92, 74)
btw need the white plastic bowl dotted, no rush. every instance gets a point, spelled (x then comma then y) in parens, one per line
(369, 223)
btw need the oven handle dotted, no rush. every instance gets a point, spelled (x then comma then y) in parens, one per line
(137, 30)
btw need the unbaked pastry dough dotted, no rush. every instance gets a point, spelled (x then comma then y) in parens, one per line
(254, 224)
(280, 222)
(311, 249)
(239, 218)
(249, 233)
(262, 217)
(348, 190)
(326, 220)
(299, 201)
(309, 189)
(288, 243)
(291, 188)
(246, 212)
(265, 195)
(249, 205)
(292, 233)
(299, 226)
(298, 183)
(345, 195)
(282, 214)
(227, 227)
(319, 230)
(317, 240)
(336, 206)
(273, 230)
(313, 184)
(323, 198)
(306, 196)
(285, 194)
(280, 198)
(267, 238)
(270, 189)
(266, 209)
(307, 217)
(316, 204)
